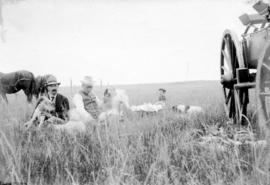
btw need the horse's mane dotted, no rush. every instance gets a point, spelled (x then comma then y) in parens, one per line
(40, 82)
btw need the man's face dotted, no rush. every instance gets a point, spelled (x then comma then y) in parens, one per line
(53, 89)
(161, 92)
(87, 88)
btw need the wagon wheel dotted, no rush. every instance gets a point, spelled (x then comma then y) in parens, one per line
(232, 58)
(263, 88)
(263, 101)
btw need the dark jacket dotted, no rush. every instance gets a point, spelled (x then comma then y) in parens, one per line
(62, 107)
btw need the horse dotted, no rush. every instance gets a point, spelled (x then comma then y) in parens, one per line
(13, 82)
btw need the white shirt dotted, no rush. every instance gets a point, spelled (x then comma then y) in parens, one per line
(52, 98)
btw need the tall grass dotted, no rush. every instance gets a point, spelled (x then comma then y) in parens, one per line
(161, 149)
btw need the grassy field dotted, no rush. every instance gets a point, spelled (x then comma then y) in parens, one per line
(160, 149)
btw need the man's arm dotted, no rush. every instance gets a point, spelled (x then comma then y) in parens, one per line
(99, 102)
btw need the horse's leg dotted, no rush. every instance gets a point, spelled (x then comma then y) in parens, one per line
(29, 96)
(4, 96)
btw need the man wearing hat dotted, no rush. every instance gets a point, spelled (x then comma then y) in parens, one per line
(162, 97)
(60, 102)
(85, 101)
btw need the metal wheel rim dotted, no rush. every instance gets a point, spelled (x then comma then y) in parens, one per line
(233, 60)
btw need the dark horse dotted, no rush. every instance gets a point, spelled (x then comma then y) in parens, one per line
(15, 81)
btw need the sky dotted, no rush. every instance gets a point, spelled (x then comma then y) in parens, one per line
(117, 41)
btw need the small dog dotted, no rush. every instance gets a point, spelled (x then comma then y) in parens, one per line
(187, 109)
(43, 111)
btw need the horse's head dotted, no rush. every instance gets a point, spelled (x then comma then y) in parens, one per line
(40, 85)
(38, 81)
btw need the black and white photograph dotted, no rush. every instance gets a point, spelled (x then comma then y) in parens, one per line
(134, 92)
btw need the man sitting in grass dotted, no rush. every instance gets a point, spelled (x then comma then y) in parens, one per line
(52, 107)
(60, 102)
(86, 102)
(161, 97)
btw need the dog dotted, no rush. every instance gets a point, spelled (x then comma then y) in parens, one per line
(43, 111)
(115, 103)
(187, 109)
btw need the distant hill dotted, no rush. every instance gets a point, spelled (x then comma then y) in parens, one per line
(193, 92)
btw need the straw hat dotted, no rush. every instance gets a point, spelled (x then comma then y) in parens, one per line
(88, 80)
(51, 80)
(162, 89)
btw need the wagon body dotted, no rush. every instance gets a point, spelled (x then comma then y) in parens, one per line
(245, 64)
(255, 43)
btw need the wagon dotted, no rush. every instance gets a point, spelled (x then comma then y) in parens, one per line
(245, 64)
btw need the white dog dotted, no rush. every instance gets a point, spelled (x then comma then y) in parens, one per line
(188, 109)
(116, 102)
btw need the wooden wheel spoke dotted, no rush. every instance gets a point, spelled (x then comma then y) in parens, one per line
(232, 106)
(224, 92)
(231, 59)
(228, 97)
(262, 98)
(266, 66)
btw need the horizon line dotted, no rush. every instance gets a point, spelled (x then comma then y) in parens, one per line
(147, 83)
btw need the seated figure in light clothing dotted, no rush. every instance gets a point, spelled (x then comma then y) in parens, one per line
(86, 102)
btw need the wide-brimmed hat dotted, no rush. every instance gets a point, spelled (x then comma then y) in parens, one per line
(88, 80)
(51, 80)
(161, 89)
